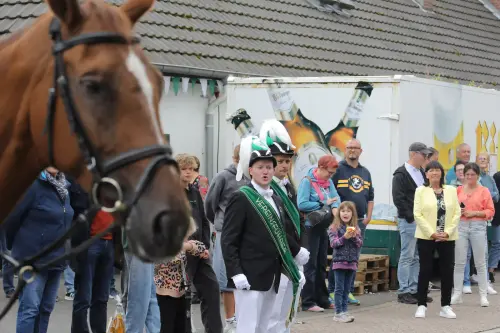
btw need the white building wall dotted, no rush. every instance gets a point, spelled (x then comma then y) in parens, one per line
(183, 117)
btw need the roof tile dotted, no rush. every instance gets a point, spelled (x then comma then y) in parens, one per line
(460, 40)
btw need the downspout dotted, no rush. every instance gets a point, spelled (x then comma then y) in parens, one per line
(209, 142)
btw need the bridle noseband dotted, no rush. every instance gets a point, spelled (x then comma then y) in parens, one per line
(160, 155)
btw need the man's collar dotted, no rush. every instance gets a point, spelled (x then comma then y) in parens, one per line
(345, 162)
(413, 167)
(258, 187)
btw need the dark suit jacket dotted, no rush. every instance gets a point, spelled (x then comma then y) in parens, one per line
(294, 240)
(247, 246)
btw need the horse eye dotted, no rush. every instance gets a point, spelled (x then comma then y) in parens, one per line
(92, 86)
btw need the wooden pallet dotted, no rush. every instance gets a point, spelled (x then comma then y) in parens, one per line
(369, 261)
(372, 286)
(372, 261)
(375, 274)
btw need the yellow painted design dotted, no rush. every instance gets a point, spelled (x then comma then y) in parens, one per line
(486, 136)
(487, 140)
(479, 139)
(447, 150)
(493, 131)
(383, 222)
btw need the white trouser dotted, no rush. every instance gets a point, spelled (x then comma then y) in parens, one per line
(281, 309)
(253, 310)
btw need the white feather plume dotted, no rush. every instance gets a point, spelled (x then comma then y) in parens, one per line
(245, 153)
(275, 130)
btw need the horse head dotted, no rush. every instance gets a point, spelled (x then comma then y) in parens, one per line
(116, 92)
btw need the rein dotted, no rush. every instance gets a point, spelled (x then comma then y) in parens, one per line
(160, 154)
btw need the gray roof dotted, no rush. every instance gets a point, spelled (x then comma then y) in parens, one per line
(459, 41)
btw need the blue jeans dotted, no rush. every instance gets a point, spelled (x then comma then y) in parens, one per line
(409, 265)
(142, 305)
(36, 302)
(343, 282)
(112, 284)
(473, 233)
(219, 266)
(331, 274)
(92, 288)
(467, 267)
(467, 274)
(7, 269)
(69, 280)
(494, 255)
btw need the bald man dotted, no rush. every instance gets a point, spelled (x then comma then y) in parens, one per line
(353, 183)
(463, 154)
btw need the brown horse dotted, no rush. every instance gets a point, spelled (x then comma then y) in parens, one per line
(116, 93)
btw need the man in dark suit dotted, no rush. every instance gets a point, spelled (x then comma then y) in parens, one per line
(254, 244)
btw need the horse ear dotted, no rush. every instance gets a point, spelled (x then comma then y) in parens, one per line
(68, 11)
(136, 8)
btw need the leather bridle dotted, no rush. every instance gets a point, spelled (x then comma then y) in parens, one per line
(159, 154)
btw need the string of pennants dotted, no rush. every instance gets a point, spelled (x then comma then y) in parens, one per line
(182, 84)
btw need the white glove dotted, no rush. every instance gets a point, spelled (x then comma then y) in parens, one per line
(241, 282)
(302, 257)
(302, 280)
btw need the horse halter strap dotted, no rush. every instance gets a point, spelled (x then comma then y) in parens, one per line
(159, 154)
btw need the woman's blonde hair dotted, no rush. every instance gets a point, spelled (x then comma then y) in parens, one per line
(337, 221)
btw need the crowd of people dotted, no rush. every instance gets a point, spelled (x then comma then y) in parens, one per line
(448, 213)
(268, 252)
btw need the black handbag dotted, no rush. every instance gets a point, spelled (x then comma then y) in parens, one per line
(321, 217)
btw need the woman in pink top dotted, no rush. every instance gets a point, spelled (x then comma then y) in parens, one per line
(477, 209)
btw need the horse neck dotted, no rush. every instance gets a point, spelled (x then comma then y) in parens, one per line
(23, 61)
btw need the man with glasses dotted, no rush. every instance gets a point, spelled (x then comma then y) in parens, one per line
(405, 181)
(353, 183)
(463, 154)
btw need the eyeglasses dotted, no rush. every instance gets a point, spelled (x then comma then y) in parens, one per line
(353, 148)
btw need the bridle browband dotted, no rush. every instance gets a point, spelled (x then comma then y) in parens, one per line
(160, 155)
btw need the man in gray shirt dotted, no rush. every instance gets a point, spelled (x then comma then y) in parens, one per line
(220, 191)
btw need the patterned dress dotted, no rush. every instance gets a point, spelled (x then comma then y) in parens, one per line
(170, 276)
(441, 211)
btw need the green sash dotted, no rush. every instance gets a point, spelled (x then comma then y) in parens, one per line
(290, 209)
(275, 228)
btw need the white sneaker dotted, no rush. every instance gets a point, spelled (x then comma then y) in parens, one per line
(491, 291)
(474, 278)
(342, 318)
(467, 290)
(447, 312)
(348, 315)
(420, 311)
(456, 298)
(230, 325)
(484, 301)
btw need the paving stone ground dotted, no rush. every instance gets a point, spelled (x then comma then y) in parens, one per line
(377, 313)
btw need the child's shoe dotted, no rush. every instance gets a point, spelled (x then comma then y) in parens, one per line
(342, 318)
(353, 301)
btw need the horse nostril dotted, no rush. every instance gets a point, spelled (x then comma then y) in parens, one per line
(166, 232)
